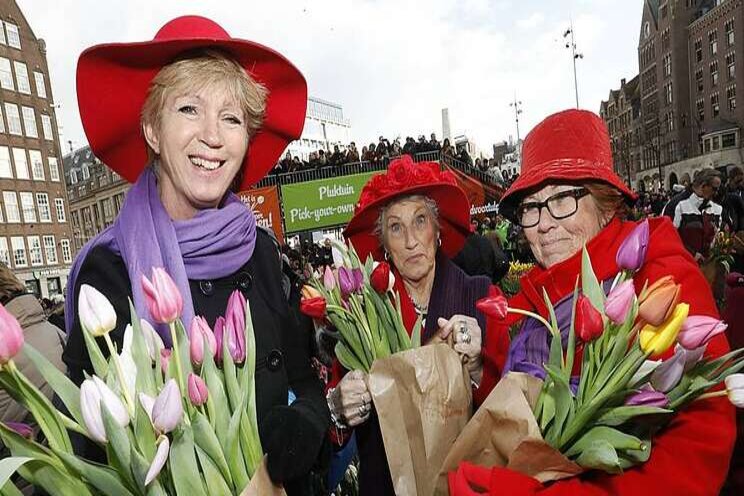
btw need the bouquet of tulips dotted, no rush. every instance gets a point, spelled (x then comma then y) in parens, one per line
(170, 421)
(606, 419)
(358, 301)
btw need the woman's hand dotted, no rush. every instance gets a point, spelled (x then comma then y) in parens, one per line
(467, 338)
(350, 402)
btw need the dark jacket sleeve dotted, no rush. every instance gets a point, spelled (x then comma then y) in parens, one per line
(106, 272)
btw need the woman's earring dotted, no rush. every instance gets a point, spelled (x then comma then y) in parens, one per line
(439, 242)
(386, 256)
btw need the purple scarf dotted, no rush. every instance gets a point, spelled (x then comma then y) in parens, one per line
(215, 243)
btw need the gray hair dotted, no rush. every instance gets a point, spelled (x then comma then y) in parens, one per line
(705, 177)
(430, 204)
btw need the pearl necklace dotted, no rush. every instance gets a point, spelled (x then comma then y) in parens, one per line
(421, 309)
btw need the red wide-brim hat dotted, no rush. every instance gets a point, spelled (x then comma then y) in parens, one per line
(405, 178)
(113, 80)
(570, 146)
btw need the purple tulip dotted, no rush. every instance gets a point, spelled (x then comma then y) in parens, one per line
(619, 302)
(692, 357)
(234, 332)
(698, 330)
(158, 462)
(198, 392)
(648, 398)
(11, 336)
(329, 280)
(668, 374)
(167, 411)
(358, 279)
(23, 430)
(345, 281)
(632, 252)
(219, 333)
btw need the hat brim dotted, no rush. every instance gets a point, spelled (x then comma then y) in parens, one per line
(454, 219)
(565, 170)
(112, 84)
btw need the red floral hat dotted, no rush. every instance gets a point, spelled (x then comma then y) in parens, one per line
(572, 145)
(113, 80)
(403, 178)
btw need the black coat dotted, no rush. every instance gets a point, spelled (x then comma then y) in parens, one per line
(282, 349)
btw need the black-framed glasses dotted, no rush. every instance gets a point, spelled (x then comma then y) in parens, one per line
(560, 205)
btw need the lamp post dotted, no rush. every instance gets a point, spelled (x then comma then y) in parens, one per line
(571, 44)
(517, 104)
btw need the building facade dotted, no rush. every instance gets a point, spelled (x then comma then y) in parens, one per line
(325, 127)
(622, 113)
(96, 195)
(35, 235)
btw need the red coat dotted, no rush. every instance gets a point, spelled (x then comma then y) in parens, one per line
(691, 455)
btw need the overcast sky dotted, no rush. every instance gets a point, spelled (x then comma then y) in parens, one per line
(392, 64)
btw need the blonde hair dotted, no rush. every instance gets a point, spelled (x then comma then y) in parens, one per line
(206, 68)
(9, 283)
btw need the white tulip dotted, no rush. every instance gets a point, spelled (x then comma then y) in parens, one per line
(97, 315)
(161, 456)
(735, 389)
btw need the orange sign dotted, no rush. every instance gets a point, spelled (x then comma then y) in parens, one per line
(265, 205)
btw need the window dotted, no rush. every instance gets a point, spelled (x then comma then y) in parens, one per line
(4, 252)
(2, 34)
(59, 204)
(714, 73)
(731, 65)
(66, 253)
(21, 165)
(29, 122)
(19, 251)
(50, 250)
(27, 206)
(716, 143)
(73, 176)
(5, 167)
(713, 42)
(6, 77)
(668, 64)
(14, 119)
(728, 140)
(730, 32)
(700, 106)
(24, 85)
(670, 121)
(37, 165)
(45, 213)
(86, 172)
(11, 207)
(714, 105)
(40, 84)
(668, 92)
(53, 169)
(34, 249)
(698, 50)
(731, 97)
(46, 127)
(699, 80)
(14, 38)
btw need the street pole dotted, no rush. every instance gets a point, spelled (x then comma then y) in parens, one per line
(574, 55)
(517, 110)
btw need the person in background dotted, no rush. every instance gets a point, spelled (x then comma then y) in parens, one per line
(698, 217)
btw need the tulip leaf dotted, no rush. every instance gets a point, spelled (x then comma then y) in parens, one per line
(100, 364)
(101, 477)
(140, 466)
(600, 455)
(10, 489)
(67, 391)
(561, 392)
(183, 466)
(218, 406)
(144, 434)
(215, 481)
(155, 489)
(621, 414)
(231, 380)
(571, 344)
(617, 439)
(347, 358)
(117, 448)
(548, 410)
(207, 441)
(145, 381)
(233, 453)
(590, 286)
(9, 465)
(416, 334)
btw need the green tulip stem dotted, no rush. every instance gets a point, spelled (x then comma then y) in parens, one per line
(177, 357)
(533, 315)
(714, 394)
(119, 374)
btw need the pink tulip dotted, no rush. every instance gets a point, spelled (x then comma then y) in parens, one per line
(200, 335)
(165, 355)
(219, 332)
(23, 430)
(235, 326)
(698, 330)
(11, 336)
(632, 252)
(167, 411)
(198, 392)
(619, 302)
(158, 462)
(329, 280)
(648, 398)
(163, 298)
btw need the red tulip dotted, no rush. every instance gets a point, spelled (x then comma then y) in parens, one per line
(495, 307)
(588, 323)
(313, 307)
(380, 278)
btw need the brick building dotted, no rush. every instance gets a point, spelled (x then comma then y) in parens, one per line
(35, 238)
(96, 195)
(622, 113)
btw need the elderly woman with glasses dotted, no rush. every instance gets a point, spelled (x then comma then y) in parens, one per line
(567, 197)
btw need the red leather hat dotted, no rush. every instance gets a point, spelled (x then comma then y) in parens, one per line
(404, 178)
(572, 145)
(113, 80)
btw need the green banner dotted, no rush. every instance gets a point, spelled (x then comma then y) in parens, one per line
(314, 205)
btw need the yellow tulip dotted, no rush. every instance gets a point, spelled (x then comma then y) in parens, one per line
(658, 339)
(309, 292)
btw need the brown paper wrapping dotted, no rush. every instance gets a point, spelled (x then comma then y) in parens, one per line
(504, 433)
(261, 485)
(423, 401)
